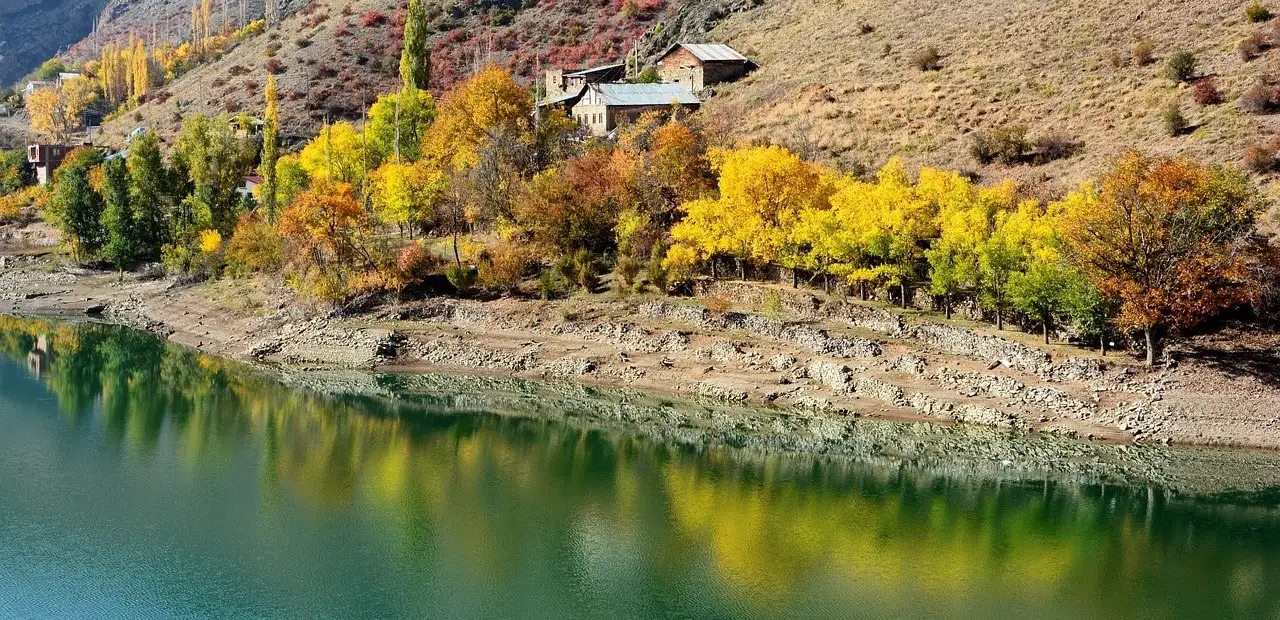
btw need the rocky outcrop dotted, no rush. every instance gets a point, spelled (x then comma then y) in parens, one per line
(32, 31)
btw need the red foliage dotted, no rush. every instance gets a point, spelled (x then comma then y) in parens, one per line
(274, 66)
(1206, 92)
(373, 18)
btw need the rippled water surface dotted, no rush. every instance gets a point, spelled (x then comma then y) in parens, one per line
(139, 480)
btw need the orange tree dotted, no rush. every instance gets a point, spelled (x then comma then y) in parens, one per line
(1171, 240)
(329, 241)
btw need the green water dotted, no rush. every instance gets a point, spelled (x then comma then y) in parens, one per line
(144, 481)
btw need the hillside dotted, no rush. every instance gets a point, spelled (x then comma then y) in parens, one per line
(333, 57)
(858, 98)
(34, 30)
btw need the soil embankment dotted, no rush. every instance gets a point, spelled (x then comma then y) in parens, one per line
(818, 356)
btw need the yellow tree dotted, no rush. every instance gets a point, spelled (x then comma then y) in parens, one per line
(488, 102)
(406, 193)
(1171, 240)
(336, 155)
(48, 116)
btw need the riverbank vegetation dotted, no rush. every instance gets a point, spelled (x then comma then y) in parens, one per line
(480, 190)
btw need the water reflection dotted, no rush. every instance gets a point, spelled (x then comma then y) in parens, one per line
(290, 503)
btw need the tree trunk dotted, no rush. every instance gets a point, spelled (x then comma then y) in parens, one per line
(946, 305)
(1102, 343)
(795, 279)
(902, 290)
(714, 271)
(457, 258)
(999, 319)
(742, 269)
(1044, 326)
(826, 283)
(1152, 342)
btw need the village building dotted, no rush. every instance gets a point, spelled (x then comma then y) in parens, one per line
(46, 158)
(559, 84)
(36, 85)
(602, 107)
(699, 65)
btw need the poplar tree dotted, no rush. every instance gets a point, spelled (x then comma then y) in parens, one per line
(121, 247)
(415, 59)
(148, 194)
(77, 207)
(270, 152)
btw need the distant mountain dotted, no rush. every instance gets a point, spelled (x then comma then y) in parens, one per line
(32, 31)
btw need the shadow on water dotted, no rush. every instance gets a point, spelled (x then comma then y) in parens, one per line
(449, 493)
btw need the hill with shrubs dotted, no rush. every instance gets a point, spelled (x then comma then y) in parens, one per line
(1047, 93)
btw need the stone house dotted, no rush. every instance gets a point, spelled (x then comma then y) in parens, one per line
(557, 83)
(602, 107)
(699, 65)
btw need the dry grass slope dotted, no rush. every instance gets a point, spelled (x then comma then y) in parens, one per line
(858, 98)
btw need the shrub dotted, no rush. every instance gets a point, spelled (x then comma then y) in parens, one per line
(656, 271)
(372, 18)
(415, 262)
(551, 284)
(865, 28)
(1258, 99)
(627, 270)
(583, 270)
(302, 42)
(1143, 53)
(274, 66)
(1007, 145)
(772, 304)
(717, 304)
(927, 59)
(1259, 159)
(1181, 66)
(505, 268)
(1174, 121)
(1205, 92)
(1256, 13)
(255, 248)
(462, 278)
(1252, 46)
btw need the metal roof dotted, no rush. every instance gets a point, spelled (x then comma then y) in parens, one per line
(581, 72)
(708, 52)
(568, 96)
(646, 94)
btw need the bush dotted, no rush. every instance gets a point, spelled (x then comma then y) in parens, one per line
(717, 304)
(1252, 46)
(1174, 122)
(373, 18)
(415, 262)
(274, 66)
(505, 268)
(1256, 13)
(1259, 159)
(1259, 99)
(1181, 66)
(1205, 92)
(772, 304)
(551, 284)
(462, 278)
(1143, 53)
(656, 271)
(584, 270)
(256, 247)
(1007, 145)
(927, 59)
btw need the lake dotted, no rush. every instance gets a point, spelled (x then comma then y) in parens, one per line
(143, 480)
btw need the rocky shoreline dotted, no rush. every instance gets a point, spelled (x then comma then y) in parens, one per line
(818, 356)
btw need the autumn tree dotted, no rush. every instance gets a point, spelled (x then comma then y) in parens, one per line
(270, 151)
(336, 155)
(468, 113)
(329, 241)
(48, 115)
(1171, 240)
(398, 123)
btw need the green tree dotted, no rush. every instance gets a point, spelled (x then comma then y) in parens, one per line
(76, 207)
(216, 161)
(119, 226)
(1044, 291)
(15, 172)
(150, 195)
(397, 124)
(415, 59)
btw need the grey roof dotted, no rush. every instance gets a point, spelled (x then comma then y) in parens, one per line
(708, 52)
(646, 94)
(591, 70)
(568, 96)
